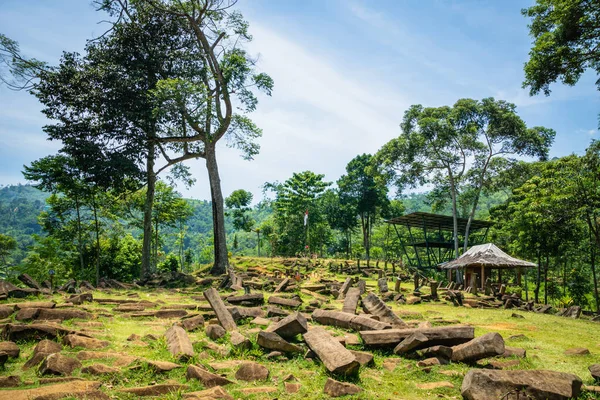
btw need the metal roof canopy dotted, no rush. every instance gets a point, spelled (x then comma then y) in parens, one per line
(436, 221)
(429, 237)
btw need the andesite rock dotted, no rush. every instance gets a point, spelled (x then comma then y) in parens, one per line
(208, 379)
(215, 331)
(488, 345)
(272, 341)
(251, 371)
(178, 343)
(290, 326)
(337, 389)
(595, 371)
(10, 348)
(57, 364)
(87, 343)
(336, 358)
(537, 384)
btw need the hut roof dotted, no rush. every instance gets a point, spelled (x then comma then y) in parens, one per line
(486, 255)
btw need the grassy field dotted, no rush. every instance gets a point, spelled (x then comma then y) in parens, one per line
(546, 339)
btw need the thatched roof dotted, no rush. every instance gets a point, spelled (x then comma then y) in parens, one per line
(487, 255)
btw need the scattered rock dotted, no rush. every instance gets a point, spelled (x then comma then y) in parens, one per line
(595, 371)
(178, 343)
(255, 390)
(87, 343)
(57, 364)
(78, 388)
(337, 389)
(155, 390)
(216, 392)
(251, 371)
(208, 379)
(193, 323)
(363, 358)
(10, 348)
(272, 341)
(539, 385)
(488, 345)
(336, 358)
(292, 387)
(239, 341)
(100, 369)
(514, 351)
(215, 331)
(577, 351)
(434, 385)
(290, 326)
(10, 381)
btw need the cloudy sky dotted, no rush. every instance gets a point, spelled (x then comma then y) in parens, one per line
(345, 71)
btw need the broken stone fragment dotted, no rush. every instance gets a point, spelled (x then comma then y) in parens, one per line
(337, 389)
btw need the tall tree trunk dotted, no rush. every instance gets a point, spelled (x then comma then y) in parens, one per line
(155, 261)
(476, 201)
(97, 227)
(595, 279)
(79, 237)
(454, 216)
(536, 291)
(220, 244)
(546, 280)
(367, 234)
(148, 205)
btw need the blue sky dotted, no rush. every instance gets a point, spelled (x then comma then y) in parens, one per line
(345, 71)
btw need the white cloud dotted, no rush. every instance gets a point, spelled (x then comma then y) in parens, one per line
(321, 115)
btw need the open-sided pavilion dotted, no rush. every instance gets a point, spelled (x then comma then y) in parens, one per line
(479, 261)
(428, 239)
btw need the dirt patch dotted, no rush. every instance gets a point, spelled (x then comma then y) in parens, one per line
(502, 326)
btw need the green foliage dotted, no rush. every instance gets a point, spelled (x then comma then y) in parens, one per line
(239, 204)
(302, 192)
(171, 264)
(7, 246)
(565, 37)
(362, 195)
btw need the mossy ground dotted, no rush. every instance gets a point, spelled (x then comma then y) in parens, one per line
(547, 337)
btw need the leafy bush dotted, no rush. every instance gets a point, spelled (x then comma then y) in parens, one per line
(171, 264)
(517, 290)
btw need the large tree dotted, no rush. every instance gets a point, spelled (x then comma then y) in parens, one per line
(455, 149)
(499, 133)
(359, 190)
(432, 148)
(300, 194)
(565, 36)
(199, 103)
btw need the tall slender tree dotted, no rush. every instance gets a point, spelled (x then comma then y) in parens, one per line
(199, 102)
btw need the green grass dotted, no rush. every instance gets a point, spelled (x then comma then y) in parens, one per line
(548, 337)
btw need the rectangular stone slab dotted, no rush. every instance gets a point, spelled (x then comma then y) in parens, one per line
(336, 358)
(348, 321)
(351, 300)
(178, 343)
(254, 298)
(224, 317)
(374, 305)
(344, 288)
(444, 335)
(284, 302)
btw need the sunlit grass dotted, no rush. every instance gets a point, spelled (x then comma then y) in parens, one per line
(547, 337)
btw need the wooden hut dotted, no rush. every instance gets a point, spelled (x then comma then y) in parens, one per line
(482, 259)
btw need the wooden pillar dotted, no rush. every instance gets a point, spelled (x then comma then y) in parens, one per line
(482, 277)
(519, 276)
